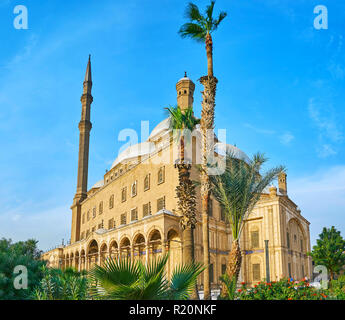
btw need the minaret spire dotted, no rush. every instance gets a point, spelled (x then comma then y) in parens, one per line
(88, 71)
(83, 160)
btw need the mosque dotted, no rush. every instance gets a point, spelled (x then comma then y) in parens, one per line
(132, 212)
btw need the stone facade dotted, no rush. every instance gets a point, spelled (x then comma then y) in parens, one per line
(132, 212)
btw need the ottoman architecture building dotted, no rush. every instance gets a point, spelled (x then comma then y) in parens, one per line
(132, 211)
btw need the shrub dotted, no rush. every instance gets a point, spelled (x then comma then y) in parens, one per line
(337, 288)
(59, 284)
(281, 290)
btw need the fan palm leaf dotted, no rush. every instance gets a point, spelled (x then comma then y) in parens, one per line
(132, 280)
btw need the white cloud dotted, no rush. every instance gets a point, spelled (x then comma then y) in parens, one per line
(321, 197)
(259, 130)
(286, 138)
(330, 131)
(326, 151)
(323, 117)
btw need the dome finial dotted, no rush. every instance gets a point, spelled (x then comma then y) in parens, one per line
(185, 74)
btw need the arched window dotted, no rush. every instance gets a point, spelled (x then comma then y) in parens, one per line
(101, 207)
(134, 189)
(111, 202)
(161, 175)
(134, 214)
(161, 203)
(147, 182)
(256, 272)
(254, 236)
(124, 194)
(211, 273)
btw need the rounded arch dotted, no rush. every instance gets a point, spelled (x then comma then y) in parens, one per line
(103, 247)
(125, 246)
(152, 230)
(175, 250)
(172, 234)
(297, 234)
(92, 253)
(76, 253)
(92, 247)
(113, 249)
(155, 235)
(113, 244)
(256, 268)
(125, 242)
(139, 238)
(295, 221)
(103, 252)
(139, 247)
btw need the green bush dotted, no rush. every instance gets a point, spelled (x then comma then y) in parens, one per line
(337, 288)
(281, 290)
(58, 284)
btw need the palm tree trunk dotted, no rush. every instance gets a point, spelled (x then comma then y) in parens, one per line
(187, 205)
(209, 53)
(206, 125)
(234, 264)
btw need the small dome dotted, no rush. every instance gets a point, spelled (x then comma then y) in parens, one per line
(234, 151)
(185, 78)
(134, 151)
(98, 184)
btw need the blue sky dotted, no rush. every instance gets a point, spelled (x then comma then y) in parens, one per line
(281, 91)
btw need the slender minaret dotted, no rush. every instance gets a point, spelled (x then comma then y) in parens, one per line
(83, 161)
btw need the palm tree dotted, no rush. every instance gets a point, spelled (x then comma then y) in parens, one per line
(124, 279)
(238, 190)
(183, 123)
(200, 27)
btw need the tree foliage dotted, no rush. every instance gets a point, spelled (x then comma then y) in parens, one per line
(329, 251)
(22, 253)
(200, 24)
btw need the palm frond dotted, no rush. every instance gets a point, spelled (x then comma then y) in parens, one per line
(193, 13)
(183, 280)
(220, 18)
(209, 10)
(230, 284)
(182, 123)
(239, 188)
(194, 31)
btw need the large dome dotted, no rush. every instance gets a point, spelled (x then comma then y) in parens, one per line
(134, 151)
(162, 129)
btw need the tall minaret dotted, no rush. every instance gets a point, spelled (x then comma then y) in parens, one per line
(83, 161)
